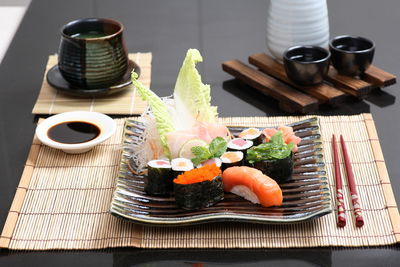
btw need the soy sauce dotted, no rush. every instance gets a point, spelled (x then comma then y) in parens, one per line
(350, 48)
(73, 132)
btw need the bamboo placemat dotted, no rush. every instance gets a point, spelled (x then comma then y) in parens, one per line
(51, 101)
(62, 201)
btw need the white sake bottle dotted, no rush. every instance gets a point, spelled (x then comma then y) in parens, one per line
(296, 22)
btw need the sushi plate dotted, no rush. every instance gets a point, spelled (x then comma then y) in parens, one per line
(306, 195)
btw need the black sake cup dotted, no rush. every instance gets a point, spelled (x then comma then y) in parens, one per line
(92, 53)
(351, 55)
(306, 65)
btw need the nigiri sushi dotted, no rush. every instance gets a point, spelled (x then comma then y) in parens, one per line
(252, 185)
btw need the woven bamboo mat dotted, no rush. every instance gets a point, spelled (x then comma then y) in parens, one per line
(62, 201)
(51, 101)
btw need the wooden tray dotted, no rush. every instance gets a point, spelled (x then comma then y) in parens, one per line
(271, 79)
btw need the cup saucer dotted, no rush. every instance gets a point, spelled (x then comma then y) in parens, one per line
(56, 80)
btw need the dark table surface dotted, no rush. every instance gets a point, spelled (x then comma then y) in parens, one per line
(221, 30)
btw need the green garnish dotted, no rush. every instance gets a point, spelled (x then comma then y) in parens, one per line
(191, 96)
(164, 122)
(274, 149)
(218, 147)
(215, 149)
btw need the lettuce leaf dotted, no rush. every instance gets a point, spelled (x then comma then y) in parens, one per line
(192, 97)
(159, 109)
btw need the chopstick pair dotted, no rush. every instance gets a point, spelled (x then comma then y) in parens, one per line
(339, 186)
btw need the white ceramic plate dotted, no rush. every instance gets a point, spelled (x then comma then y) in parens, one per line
(106, 125)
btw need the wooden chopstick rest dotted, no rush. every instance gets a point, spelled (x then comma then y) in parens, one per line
(323, 92)
(289, 98)
(270, 78)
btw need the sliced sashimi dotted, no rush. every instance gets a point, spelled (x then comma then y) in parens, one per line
(285, 129)
(288, 135)
(201, 130)
(177, 139)
(208, 131)
(268, 133)
(252, 185)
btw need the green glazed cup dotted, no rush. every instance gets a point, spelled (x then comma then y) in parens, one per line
(92, 53)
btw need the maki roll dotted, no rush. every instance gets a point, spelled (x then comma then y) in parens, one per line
(158, 180)
(239, 144)
(199, 188)
(180, 165)
(252, 134)
(215, 161)
(232, 158)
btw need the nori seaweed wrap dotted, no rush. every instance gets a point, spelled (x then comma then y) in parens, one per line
(158, 180)
(180, 165)
(239, 144)
(231, 158)
(274, 158)
(199, 188)
(252, 134)
(278, 169)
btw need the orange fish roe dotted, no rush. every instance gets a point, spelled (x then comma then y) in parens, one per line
(207, 172)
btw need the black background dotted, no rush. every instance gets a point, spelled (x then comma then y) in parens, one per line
(221, 30)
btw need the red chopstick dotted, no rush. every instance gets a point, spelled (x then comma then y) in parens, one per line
(352, 185)
(339, 187)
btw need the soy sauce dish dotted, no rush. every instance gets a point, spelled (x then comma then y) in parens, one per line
(75, 132)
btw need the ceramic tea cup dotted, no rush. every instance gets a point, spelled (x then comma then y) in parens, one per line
(351, 55)
(92, 53)
(306, 65)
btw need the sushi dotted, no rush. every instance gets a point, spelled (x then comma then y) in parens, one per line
(274, 158)
(279, 169)
(288, 135)
(216, 161)
(231, 158)
(252, 185)
(158, 180)
(199, 188)
(180, 165)
(239, 144)
(252, 134)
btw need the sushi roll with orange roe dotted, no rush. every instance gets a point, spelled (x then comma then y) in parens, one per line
(199, 188)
